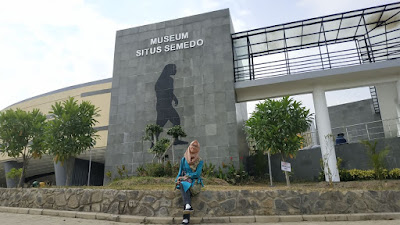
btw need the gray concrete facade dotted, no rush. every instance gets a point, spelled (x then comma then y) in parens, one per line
(201, 80)
(353, 113)
(354, 119)
(306, 165)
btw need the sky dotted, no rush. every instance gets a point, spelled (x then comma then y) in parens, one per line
(46, 45)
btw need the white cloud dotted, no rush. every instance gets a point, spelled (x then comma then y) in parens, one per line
(239, 24)
(244, 12)
(47, 45)
(210, 4)
(189, 11)
(238, 13)
(317, 8)
(50, 44)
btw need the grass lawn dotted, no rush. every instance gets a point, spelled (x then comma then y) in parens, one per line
(167, 183)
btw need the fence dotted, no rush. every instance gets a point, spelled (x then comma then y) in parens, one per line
(362, 131)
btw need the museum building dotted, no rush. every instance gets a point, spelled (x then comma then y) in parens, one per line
(198, 73)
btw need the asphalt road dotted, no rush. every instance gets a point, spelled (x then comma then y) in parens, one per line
(11, 219)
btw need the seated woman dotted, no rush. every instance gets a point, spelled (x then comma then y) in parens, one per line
(340, 139)
(189, 177)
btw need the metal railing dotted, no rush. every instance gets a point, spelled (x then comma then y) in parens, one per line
(341, 40)
(362, 131)
(306, 60)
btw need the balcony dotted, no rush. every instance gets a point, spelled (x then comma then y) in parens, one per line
(341, 40)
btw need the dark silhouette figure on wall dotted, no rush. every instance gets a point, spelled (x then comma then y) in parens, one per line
(165, 96)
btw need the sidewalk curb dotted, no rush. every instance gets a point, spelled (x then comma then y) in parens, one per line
(231, 219)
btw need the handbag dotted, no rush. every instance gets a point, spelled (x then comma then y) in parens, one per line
(195, 188)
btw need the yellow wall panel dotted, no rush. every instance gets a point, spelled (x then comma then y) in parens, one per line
(101, 100)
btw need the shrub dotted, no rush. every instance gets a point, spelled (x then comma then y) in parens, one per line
(356, 174)
(345, 175)
(155, 170)
(321, 176)
(228, 172)
(171, 170)
(14, 173)
(175, 169)
(394, 173)
(158, 170)
(208, 170)
(109, 174)
(122, 172)
(233, 175)
(168, 169)
(221, 174)
(141, 171)
(377, 159)
(383, 175)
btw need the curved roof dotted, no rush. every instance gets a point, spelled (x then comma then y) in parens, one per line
(107, 80)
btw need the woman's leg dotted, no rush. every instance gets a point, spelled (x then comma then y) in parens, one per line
(186, 200)
(185, 196)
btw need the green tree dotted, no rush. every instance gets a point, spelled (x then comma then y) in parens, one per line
(71, 131)
(21, 135)
(376, 159)
(159, 147)
(152, 132)
(175, 132)
(275, 126)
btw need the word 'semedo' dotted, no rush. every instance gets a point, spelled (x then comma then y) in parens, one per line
(183, 44)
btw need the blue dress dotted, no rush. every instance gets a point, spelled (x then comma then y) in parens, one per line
(185, 170)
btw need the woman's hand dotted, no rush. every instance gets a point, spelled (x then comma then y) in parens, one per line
(181, 179)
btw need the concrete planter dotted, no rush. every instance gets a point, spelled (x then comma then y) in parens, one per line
(11, 183)
(60, 169)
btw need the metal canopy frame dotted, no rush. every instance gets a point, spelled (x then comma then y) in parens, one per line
(344, 39)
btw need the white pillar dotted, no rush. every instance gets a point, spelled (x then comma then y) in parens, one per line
(398, 107)
(313, 134)
(325, 135)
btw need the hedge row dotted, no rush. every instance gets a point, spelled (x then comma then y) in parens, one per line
(356, 174)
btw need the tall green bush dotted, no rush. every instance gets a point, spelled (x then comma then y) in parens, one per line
(71, 131)
(159, 147)
(376, 158)
(21, 135)
(275, 124)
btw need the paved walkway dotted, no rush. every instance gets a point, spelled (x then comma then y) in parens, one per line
(13, 218)
(15, 215)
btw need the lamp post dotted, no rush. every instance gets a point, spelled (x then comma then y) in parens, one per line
(90, 166)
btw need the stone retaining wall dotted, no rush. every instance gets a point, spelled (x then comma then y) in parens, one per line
(207, 203)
